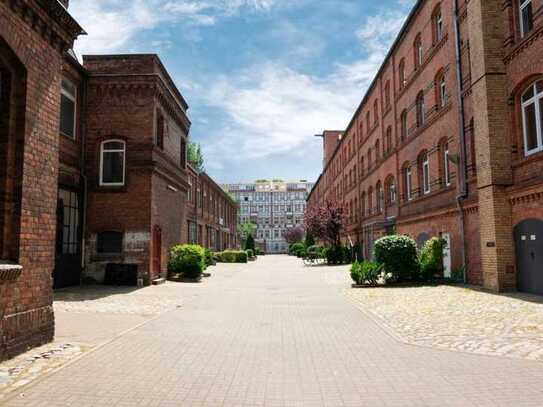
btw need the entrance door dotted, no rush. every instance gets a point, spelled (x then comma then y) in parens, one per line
(447, 272)
(68, 243)
(529, 253)
(157, 252)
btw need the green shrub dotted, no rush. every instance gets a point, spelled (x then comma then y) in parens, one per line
(296, 249)
(309, 240)
(458, 274)
(250, 253)
(209, 258)
(188, 260)
(398, 254)
(431, 258)
(315, 252)
(232, 256)
(337, 255)
(250, 243)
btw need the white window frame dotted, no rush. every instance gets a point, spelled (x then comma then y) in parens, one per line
(426, 175)
(409, 182)
(439, 26)
(392, 192)
(522, 5)
(73, 98)
(537, 101)
(443, 91)
(420, 53)
(102, 151)
(446, 166)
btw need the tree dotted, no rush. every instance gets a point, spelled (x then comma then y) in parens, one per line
(246, 229)
(250, 243)
(326, 222)
(195, 156)
(294, 235)
(309, 240)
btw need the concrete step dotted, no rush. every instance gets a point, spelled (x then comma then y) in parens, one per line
(158, 281)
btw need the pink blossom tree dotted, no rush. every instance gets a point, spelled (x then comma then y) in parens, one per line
(326, 222)
(294, 235)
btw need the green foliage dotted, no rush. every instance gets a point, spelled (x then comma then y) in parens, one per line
(315, 252)
(458, 274)
(366, 272)
(195, 156)
(250, 253)
(232, 256)
(309, 240)
(188, 260)
(431, 258)
(398, 254)
(209, 260)
(338, 255)
(245, 230)
(250, 243)
(296, 249)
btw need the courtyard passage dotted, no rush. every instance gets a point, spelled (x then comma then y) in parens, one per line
(276, 333)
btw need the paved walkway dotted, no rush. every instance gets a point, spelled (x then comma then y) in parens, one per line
(273, 333)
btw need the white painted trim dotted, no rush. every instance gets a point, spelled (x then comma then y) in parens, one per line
(102, 151)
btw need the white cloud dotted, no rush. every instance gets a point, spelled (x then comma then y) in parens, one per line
(273, 109)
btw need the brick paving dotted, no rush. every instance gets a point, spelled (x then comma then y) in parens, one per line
(274, 333)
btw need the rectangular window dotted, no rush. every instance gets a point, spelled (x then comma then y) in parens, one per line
(112, 163)
(109, 242)
(446, 166)
(526, 17)
(69, 216)
(68, 97)
(409, 183)
(426, 175)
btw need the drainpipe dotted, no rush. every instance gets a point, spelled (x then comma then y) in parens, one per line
(462, 170)
(83, 138)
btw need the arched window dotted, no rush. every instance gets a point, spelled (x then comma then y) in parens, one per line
(526, 13)
(532, 115)
(420, 109)
(401, 73)
(404, 129)
(363, 204)
(379, 196)
(377, 150)
(437, 19)
(370, 200)
(375, 112)
(424, 172)
(417, 51)
(390, 187)
(408, 181)
(368, 122)
(387, 94)
(369, 159)
(444, 149)
(388, 140)
(112, 163)
(362, 165)
(441, 89)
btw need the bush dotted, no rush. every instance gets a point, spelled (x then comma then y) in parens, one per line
(250, 253)
(232, 256)
(337, 255)
(366, 272)
(209, 258)
(296, 249)
(309, 240)
(398, 254)
(431, 258)
(188, 260)
(250, 243)
(315, 252)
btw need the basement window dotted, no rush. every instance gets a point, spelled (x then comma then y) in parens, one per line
(109, 242)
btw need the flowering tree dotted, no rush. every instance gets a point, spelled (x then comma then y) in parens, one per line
(326, 222)
(294, 235)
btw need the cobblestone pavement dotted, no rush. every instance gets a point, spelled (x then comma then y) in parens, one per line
(274, 333)
(459, 318)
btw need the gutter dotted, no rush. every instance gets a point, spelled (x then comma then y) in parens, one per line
(462, 168)
(83, 137)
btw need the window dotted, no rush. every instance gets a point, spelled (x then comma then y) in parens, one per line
(370, 201)
(388, 141)
(183, 153)
(420, 109)
(438, 24)
(377, 151)
(109, 242)
(417, 50)
(425, 166)
(68, 97)
(363, 204)
(391, 190)
(408, 182)
(404, 128)
(375, 112)
(112, 163)
(442, 91)
(526, 17)
(380, 196)
(159, 139)
(68, 220)
(387, 94)
(368, 123)
(446, 168)
(401, 74)
(532, 115)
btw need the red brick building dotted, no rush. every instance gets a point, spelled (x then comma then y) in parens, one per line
(211, 214)
(448, 140)
(34, 37)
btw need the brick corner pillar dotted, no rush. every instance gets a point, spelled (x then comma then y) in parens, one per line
(492, 144)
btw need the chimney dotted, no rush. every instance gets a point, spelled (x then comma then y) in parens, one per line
(331, 139)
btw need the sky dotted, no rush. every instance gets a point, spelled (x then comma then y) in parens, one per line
(261, 77)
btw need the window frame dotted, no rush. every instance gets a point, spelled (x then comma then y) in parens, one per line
(442, 91)
(102, 151)
(409, 182)
(425, 166)
(73, 98)
(446, 166)
(537, 101)
(523, 4)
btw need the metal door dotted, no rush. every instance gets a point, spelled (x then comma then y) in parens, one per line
(529, 253)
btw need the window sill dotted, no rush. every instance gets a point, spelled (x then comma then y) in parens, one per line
(9, 272)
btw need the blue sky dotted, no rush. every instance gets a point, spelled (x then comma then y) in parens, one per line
(261, 76)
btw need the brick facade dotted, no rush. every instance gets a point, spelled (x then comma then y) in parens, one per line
(417, 158)
(32, 44)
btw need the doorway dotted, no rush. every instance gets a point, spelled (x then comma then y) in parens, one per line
(529, 253)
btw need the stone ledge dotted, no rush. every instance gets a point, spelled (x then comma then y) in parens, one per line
(10, 272)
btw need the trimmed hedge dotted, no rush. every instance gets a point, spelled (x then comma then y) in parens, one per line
(188, 260)
(398, 254)
(232, 256)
